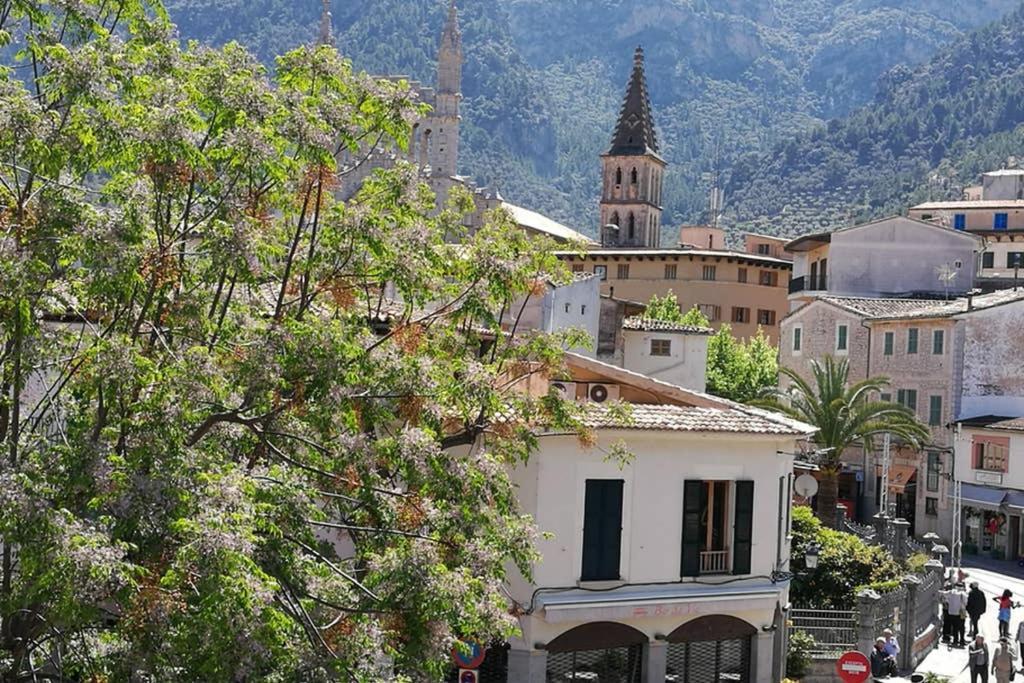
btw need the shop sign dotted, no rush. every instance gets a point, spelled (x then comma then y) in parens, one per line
(988, 477)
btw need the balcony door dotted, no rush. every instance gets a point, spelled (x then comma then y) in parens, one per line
(715, 515)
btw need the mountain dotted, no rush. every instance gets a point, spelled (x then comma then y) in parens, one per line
(543, 78)
(929, 132)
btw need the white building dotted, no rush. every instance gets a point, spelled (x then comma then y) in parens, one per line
(672, 561)
(671, 352)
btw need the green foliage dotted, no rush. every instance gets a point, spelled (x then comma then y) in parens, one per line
(845, 563)
(741, 371)
(916, 563)
(798, 656)
(543, 79)
(240, 419)
(667, 308)
(693, 317)
(881, 587)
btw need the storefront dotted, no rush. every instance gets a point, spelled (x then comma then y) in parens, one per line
(992, 521)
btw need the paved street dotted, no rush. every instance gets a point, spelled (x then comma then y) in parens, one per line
(993, 578)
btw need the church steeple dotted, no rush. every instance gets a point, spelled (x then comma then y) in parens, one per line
(633, 171)
(449, 56)
(440, 133)
(326, 36)
(635, 133)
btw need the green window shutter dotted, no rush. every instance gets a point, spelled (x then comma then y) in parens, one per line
(744, 527)
(694, 496)
(888, 342)
(912, 340)
(938, 342)
(602, 530)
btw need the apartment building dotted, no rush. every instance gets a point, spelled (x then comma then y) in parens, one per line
(658, 565)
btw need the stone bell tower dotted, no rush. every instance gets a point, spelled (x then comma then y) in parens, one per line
(442, 127)
(632, 171)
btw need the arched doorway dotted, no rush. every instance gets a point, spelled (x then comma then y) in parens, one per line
(711, 649)
(600, 651)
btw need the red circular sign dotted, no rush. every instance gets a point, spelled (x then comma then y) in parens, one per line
(853, 667)
(470, 657)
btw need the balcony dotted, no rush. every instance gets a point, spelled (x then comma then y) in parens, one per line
(714, 562)
(807, 284)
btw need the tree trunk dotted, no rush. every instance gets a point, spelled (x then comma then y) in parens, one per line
(828, 495)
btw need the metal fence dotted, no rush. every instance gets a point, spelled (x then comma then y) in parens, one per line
(889, 611)
(834, 631)
(927, 607)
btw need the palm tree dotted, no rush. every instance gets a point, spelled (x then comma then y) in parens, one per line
(845, 416)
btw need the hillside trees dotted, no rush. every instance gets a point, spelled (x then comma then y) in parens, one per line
(240, 420)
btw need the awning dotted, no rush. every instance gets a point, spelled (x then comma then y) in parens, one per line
(899, 476)
(987, 496)
(1015, 499)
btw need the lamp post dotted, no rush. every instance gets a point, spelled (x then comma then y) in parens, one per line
(811, 555)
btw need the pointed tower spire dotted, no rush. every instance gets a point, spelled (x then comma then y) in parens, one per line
(635, 133)
(449, 58)
(326, 36)
(441, 130)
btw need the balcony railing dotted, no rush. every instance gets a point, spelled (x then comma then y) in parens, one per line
(796, 285)
(714, 562)
(807, 284)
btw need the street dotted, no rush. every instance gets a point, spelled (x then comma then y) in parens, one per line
(993, 579)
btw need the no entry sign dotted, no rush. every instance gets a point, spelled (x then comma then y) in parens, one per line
(853, 667)
(472, 658)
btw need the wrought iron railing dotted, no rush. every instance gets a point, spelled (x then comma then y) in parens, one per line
(714, 562)
(833, 630)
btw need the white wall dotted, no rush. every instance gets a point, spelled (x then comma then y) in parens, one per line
(993, 369)
(686, 366)
(1013, 478)
(574, 305)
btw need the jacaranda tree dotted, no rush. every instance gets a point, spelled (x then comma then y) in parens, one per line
(249, 431)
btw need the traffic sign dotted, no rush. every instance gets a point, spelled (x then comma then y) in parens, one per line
(469, 656)
(469, 676)
(853, 667)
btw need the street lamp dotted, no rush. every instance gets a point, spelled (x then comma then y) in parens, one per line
(811, 555)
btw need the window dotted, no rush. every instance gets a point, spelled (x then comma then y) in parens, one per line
(741, 275)
(633, 176)
(622, 272)
(885, 397)
(1000, 221)
(661, 347)
(822, 274)
(764, 249)
(912, 340)
(907, 398)
(601, 272)
(615, 220)
(711, 311)
(670, 272)
(888, 340)
(567, 307)
(931, 506)
(988, 260)
(841, 337)
(938, 342)
(812, 282)
(798, 333)
(769, 278)
(632, 226)
(618, 176)
(577, 267)
(707, 521)
(933, 471)
(765, 317)
(709, 272)
(935, 411)
(740, 315)
(990, 453)
(602, 529)
(1015, 259)
(959, 221)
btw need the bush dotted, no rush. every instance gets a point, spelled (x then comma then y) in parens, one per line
(916, 562)
(845, 563)
(880, 587)
(798, 658)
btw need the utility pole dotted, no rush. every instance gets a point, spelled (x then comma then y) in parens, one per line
(884, 493)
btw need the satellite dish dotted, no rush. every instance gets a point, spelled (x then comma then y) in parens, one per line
(805, 486)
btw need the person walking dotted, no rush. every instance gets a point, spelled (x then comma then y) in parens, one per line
(1020, 642)
(958, 615)
(1002, 661)
(1006, 605)
(976, 605)
(977, 659)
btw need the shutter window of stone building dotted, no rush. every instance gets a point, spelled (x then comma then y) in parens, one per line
(670, 271)
(622, 272)
(741, 275)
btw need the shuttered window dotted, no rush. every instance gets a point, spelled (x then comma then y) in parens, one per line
(743, 529)
(602, 529)
(694, 493)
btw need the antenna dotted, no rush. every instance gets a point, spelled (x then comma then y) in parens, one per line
(947, 274)
(716, 196)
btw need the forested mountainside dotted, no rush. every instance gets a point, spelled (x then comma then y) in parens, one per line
(543, 78)
(930, 132)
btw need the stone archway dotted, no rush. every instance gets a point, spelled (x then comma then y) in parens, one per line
(604, 650)
(715, 647)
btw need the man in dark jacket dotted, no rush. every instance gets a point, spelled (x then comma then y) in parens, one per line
(975, 606)
(882, 663)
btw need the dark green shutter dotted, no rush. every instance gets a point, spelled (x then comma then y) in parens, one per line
(694, 492)
(743, 531)
(602, 529)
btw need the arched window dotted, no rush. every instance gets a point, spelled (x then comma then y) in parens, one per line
(632, 226)
(615, 219)
(633, 176)
(618, 176)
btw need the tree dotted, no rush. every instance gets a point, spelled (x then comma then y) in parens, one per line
(741, 371)
(846, 415)
(667, 308)
(241, 420)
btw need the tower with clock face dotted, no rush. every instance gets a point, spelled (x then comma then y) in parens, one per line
(632, 172)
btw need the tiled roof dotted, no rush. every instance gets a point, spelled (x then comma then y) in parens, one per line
(970, 204)
(643, 324)
(906, 309)
(541, 223)
(691, 419)
(635, 133)
(651, 254)
(1009, 424)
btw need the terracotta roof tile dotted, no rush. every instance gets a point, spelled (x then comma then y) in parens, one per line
(690, 419)
(653, 325)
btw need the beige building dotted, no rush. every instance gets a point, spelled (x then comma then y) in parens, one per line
(649, 566)
(744, 290)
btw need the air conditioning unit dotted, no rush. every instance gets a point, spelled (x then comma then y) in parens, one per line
(566, 389)
(602, 393)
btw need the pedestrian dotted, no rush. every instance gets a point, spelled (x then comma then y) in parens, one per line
(1020, 642)
(1006, 605)
(977, 659)
(958, 615)
(882, 663)
(947, 623)
(1002, 661)
(976, 605)
(892, 645)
